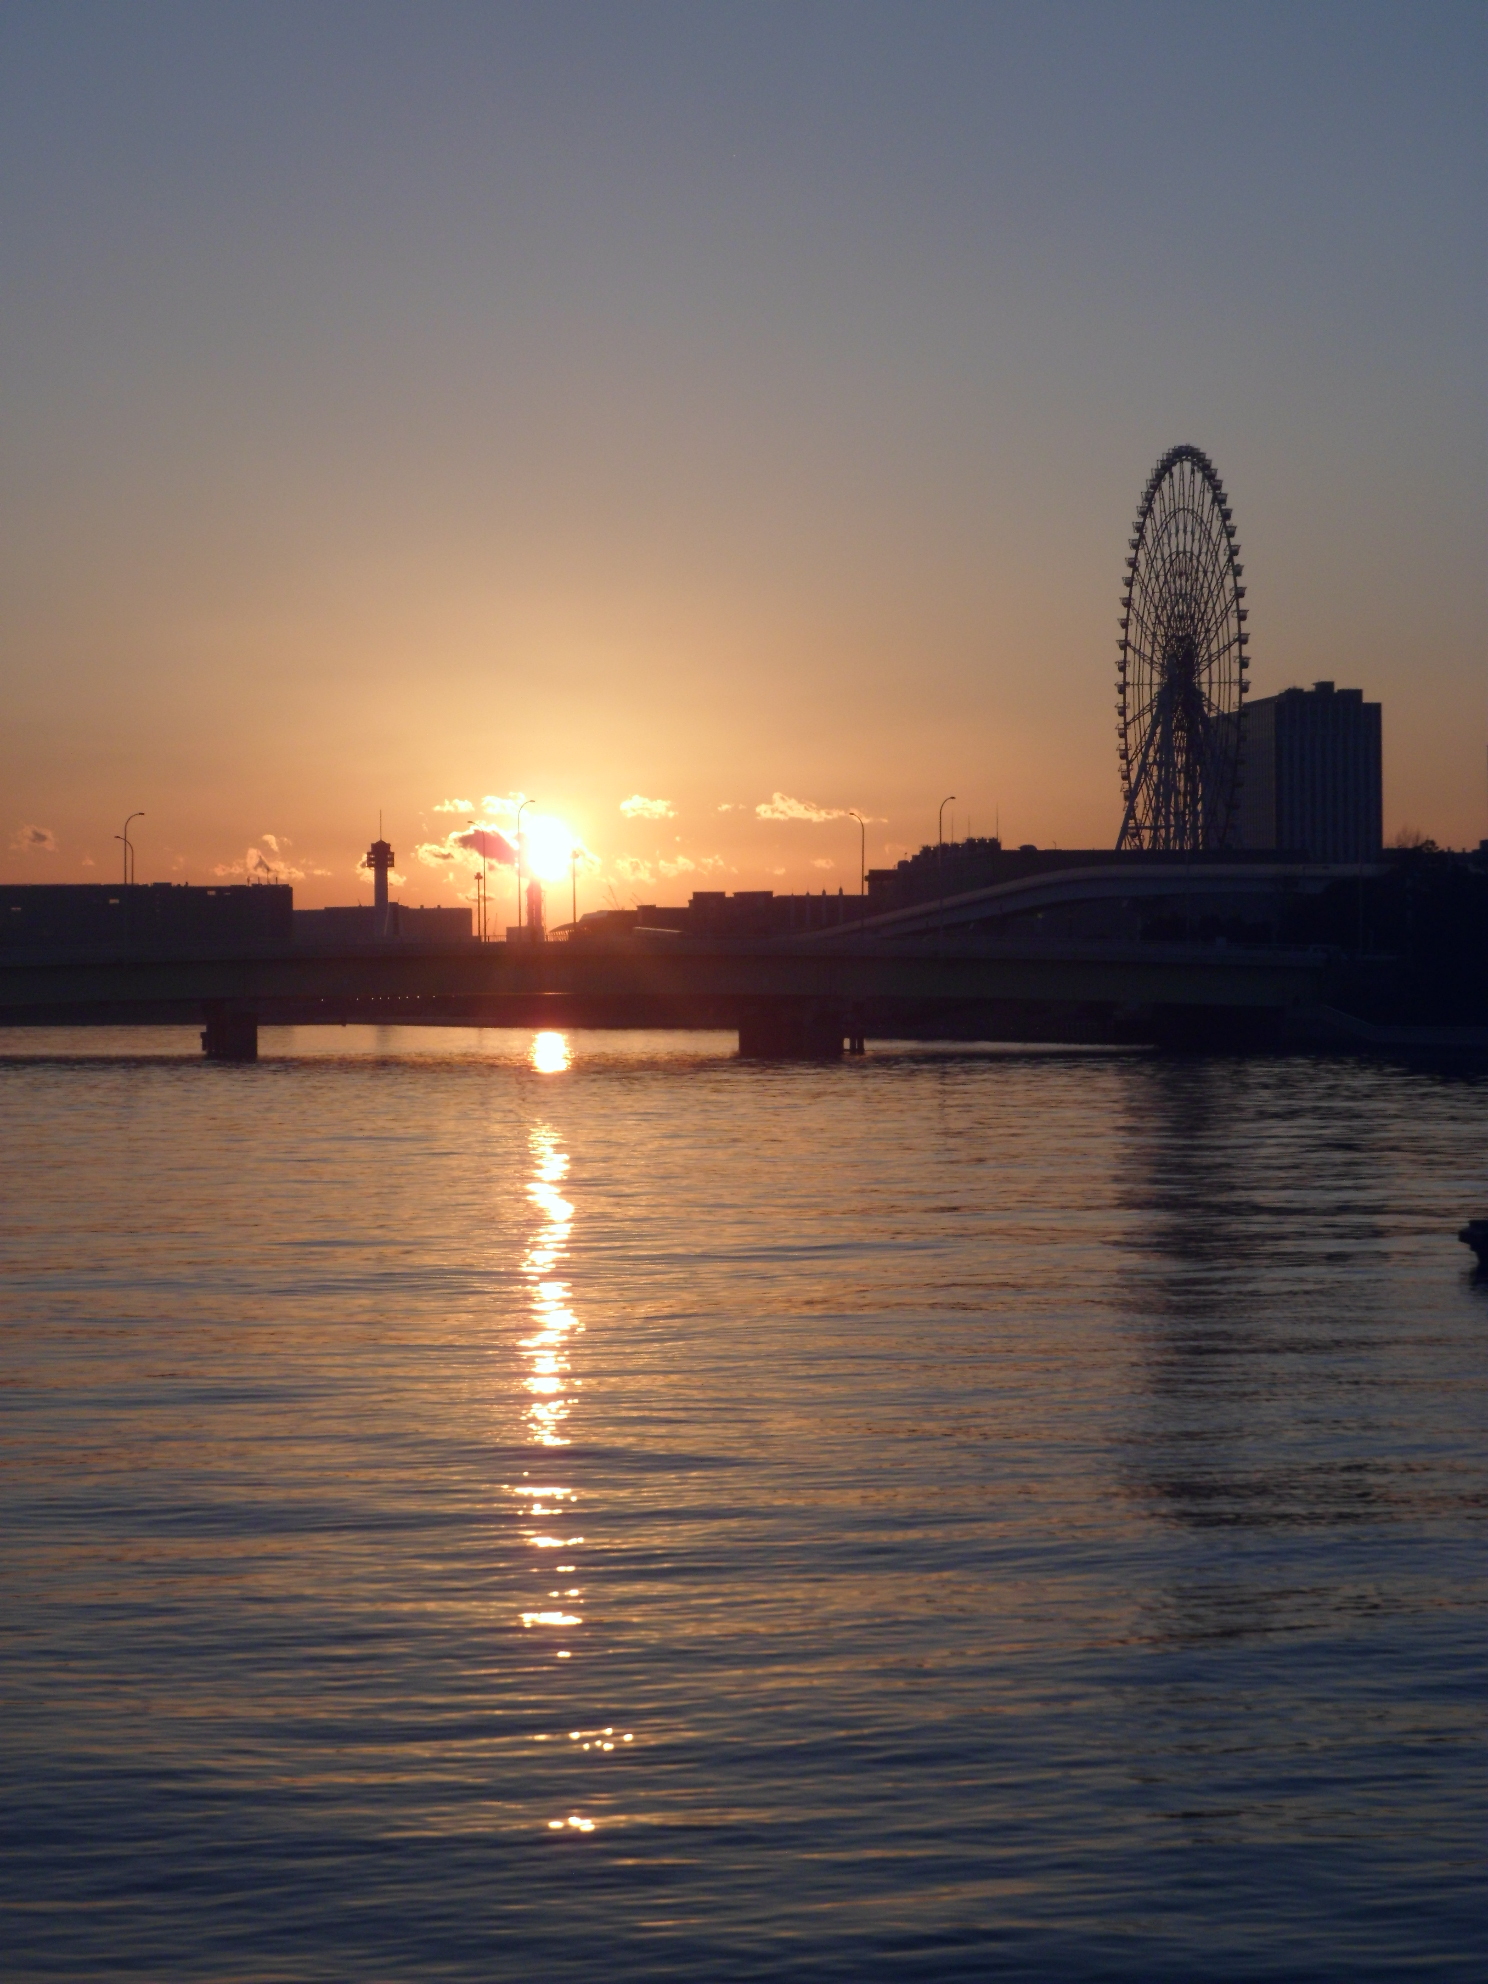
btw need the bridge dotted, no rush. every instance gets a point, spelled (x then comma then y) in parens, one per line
(794, 997)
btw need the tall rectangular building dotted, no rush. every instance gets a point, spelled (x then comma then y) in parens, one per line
(1312, 774)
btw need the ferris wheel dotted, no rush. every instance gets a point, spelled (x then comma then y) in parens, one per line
(1182, 671)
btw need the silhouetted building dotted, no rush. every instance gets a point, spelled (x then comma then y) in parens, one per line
(755, 913)
(959, 867)
(714, 913)
(1311, 771)
(355, 927)
(156, 919)
(948, 868)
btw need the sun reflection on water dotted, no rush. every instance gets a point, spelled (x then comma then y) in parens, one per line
(548, 1369)
(552, 1615)
(550, 1053)
(549, 1381)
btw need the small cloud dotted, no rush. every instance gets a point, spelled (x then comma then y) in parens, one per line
(258, 868)
(728, 806)
(774, 871)
(714, 864)
(822, 862)
(89, 862)
(33, 840)
(455, 806)
(638, 807)
(487, 845)
(781, 807)
(493, 806)
(680, 866)
(475, 844)
(631, 870)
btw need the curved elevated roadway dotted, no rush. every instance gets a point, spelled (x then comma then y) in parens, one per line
(986, 910)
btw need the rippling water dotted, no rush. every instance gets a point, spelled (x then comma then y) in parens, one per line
(478, 1506)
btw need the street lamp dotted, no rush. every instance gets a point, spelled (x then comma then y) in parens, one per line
(520, 811)
(862, 851)
(940, 861)
(128, 849)
(484, 878)
(573, 876)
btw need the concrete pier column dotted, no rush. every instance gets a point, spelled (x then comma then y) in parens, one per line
(792, 1030)
(231, 1032)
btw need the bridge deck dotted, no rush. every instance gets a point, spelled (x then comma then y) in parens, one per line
(798, 996)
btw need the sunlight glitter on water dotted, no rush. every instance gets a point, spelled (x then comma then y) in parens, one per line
(547, 1347)
(549, 1382)
(1033, 1501)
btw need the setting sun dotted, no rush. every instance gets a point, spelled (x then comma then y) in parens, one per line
(548, 847)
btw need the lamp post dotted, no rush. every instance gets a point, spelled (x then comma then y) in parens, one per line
(862, 851)
(940, 862)
(573, 876)
(520, 811)
(128, 849)
(484, 878)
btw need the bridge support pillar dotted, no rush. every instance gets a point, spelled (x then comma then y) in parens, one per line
(792, 1030)
(231, 1032)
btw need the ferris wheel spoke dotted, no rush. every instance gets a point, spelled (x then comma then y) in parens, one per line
(1218, 602)
(1144, 709)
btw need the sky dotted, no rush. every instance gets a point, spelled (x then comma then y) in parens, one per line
(708, 421)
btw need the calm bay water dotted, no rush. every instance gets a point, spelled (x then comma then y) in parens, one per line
(481, 1506)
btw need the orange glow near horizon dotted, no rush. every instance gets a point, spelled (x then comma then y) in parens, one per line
(325, 504)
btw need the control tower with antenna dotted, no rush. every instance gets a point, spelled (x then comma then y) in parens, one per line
(380, 858)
